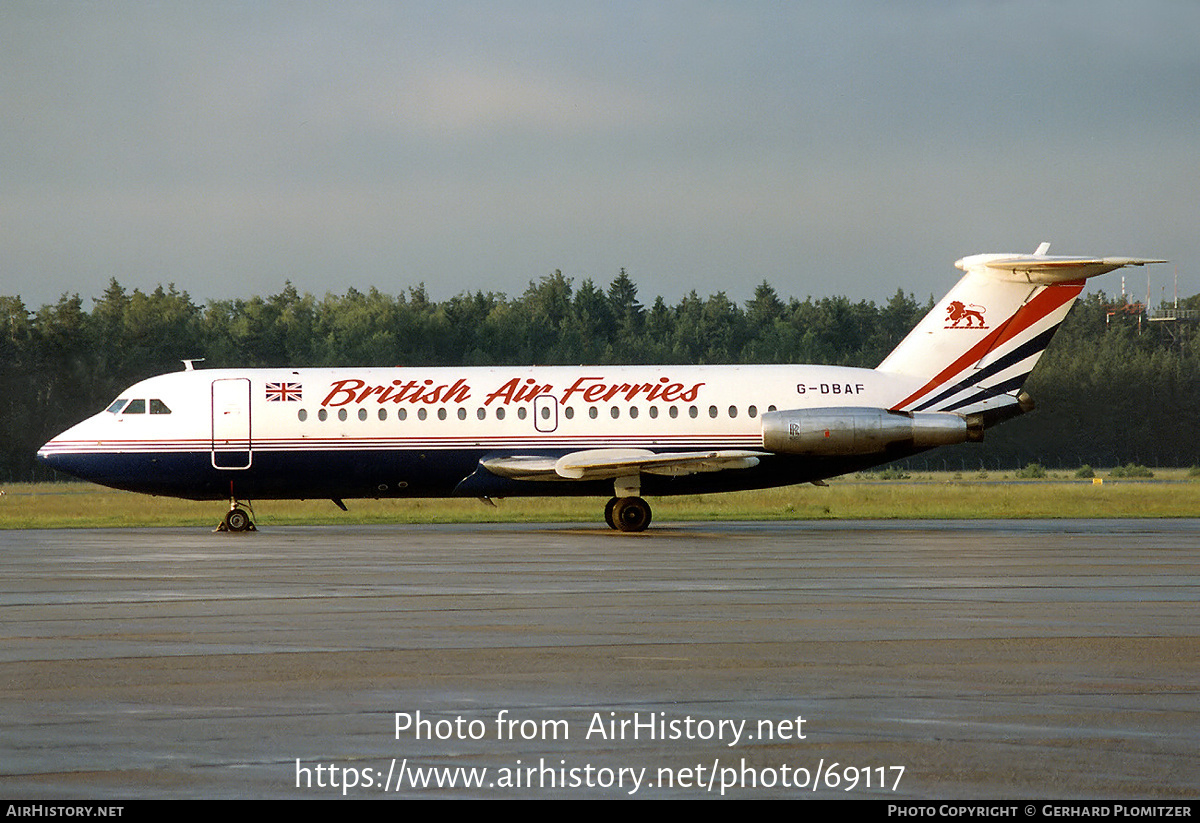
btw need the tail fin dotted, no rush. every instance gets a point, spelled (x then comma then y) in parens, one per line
(982, 340)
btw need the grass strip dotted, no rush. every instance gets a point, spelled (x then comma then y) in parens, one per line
(939, 496)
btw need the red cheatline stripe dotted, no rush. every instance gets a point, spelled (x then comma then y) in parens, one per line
(404, 444)
(1051, 298)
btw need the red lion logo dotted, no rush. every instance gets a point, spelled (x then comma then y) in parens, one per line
(956, 312)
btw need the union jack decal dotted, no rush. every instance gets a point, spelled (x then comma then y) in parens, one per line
(279, 392)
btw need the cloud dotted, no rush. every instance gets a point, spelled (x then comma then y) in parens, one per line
(699, 145)
(464, 102)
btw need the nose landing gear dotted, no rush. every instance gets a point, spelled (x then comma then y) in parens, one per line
(236, 519)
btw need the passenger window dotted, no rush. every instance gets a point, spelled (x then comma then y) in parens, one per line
(343, 414)
(733, 411)
(633, 412)
(521, 412)
(401, 413)
(481, 413)
(362, 414)
(302, 415)
(442, 413)
(674, 412)
(592, 412)
(422, 414)
(712, 411)
(752, 411)
(500, 413)
(654, 411)
(615, 412)
(693, 412)
(158, 407)
(136, 407)
(322, 415)
(569, 412)
(462, 413)
(383, 414)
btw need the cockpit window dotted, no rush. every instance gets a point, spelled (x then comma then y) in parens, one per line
(136, 407)
(158, 407)
(117, 405)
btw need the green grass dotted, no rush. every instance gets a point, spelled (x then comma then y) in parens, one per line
(922, 496)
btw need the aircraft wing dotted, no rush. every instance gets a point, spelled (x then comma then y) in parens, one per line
(607, 464)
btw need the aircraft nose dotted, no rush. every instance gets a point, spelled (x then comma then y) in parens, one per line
(55, 454)
(48, 453)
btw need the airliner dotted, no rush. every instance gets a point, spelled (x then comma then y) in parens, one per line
(616, 432)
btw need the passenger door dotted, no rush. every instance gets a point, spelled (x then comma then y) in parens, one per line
(231, 444)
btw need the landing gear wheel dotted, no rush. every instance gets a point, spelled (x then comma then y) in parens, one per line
(236, 520)
(608, 513)
(631, 514)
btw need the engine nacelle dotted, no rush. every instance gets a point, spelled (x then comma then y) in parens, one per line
(848, 431)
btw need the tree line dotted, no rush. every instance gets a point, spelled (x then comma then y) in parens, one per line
(1112, 389)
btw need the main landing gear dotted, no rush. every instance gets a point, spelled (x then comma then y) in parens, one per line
(627, 514)
(236, 519)
(626, 511)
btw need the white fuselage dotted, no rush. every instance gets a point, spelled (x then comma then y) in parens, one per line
(301, 432)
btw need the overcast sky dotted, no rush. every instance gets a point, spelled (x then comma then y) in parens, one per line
(846, 148)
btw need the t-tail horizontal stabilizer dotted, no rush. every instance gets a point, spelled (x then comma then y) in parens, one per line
(975, 349)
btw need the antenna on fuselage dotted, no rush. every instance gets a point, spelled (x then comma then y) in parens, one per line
(190, 365)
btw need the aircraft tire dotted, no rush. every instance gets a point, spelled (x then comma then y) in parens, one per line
(631, 514)
(237, 520)
(608, 513)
